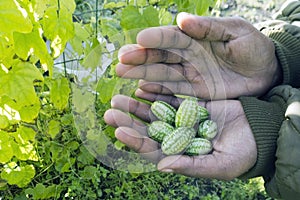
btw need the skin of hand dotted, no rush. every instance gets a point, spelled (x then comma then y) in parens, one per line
(234, 148)
(211, 58)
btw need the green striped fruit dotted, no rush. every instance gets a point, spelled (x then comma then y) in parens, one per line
(187, 113)
(203, 113)
(157, 130)
(177, 141)
(199, 146)
(208, 129)
(164, 111)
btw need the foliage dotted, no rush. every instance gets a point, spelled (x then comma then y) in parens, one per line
(54, 143)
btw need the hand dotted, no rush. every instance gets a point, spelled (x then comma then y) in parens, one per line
(234, 147)
(211, 58)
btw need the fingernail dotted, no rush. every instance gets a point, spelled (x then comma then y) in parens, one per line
(167, 170)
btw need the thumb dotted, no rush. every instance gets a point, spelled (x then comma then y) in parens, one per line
(210, 28)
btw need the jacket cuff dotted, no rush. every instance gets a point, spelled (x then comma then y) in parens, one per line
(286, 39)
(265, 120)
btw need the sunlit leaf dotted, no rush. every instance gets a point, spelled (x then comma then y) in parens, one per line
(80, 36)
(29, 113)
(18, 83)
(58, 27)
(13, 18)
(150, 15)
(131, 18)
(59, 93)
(53, 128)
(24, 134)
(18, 175)
(27, 44)
(42, 192)
(106, 89)
(92, 59)
(6, 152)
(4, 122)
(82, 100)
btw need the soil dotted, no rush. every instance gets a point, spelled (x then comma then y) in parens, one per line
(253, 11)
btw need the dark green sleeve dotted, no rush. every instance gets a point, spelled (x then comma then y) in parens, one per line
(275, 122)
(285, 33)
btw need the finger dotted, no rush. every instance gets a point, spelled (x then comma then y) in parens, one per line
(172, 100)
(117, 118)
(147, 147)
(164, 37)
(134, 54)
(209, 28)
(204, 166)
(180, 87)
(153, 72)
(137, 108)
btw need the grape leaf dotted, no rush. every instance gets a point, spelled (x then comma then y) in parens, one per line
(106, 89)
(131, 18)
(201, 7)
(53, 128)
(165, 17)
(58, 27)
(4, 122)
(151, 16)
(80, 36)
(59, 93)
(32, 44)
(24, 151)
(6, 152)
(18, 175)
(24, 134)
(13, 18)
(82, 100)
(18, 83)
(29, 113)
(42, 192)
(92, 59)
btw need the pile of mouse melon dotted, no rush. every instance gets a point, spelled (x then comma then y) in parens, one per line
(186, 130)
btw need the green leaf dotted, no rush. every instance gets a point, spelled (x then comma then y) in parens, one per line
(29, 113)
(69, 5)
(93, 56)
(201, 7)
(58, 27)
(165, 17)
(110, 27)
(59, 93)
(6, 152)
(131, 18)
(106, 89)
(114, 5)
(7, 51)
(27, 44)
(53, 128)
(80, 36)
(82, 100)
(97, 142)
(4, 122)
(18, 83)
(24, 134)
(151, 16)
(42, 192)
(9, 108)
(18, 175)
(89, 172)
(14, 18)
(85, 156)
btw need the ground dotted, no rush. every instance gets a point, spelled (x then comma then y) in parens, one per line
(253, 11)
